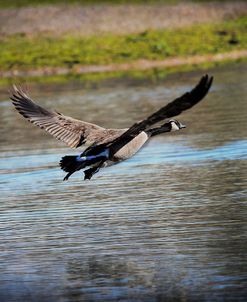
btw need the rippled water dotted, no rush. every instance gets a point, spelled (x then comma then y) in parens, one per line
(170, 224)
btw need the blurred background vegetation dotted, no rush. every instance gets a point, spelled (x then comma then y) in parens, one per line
(19, 3)
(65, 39)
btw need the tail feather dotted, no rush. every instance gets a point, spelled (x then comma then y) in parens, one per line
(73, 163)
(69, 164)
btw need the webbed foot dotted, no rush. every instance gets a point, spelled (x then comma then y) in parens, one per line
(90, 172)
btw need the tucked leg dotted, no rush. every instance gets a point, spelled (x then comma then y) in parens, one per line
(90, 172)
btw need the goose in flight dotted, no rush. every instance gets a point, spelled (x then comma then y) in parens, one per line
(106, 146)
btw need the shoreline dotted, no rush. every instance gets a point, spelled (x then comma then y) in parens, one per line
(98, 42)
(140, 65)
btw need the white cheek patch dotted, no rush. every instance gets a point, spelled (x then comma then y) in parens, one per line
(174, 126)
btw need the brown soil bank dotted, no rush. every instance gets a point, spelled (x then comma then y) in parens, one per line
(96, 19)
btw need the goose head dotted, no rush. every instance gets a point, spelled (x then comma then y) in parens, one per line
(176, 125)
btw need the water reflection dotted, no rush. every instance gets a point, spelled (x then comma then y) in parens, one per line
(167, 225)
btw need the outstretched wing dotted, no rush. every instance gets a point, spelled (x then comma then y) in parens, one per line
(71, 131)
(184, 102)
(174, 108)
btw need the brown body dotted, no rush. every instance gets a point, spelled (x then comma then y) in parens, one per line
(131, 148)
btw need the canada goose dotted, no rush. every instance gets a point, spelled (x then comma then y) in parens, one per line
(106, 146)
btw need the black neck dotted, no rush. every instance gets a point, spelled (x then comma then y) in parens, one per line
(167, 127)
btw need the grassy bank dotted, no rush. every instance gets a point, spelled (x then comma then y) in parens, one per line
(22, 3)
(23, 52)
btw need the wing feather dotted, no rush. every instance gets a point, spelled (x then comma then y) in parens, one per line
(174, 108)
(71, 131)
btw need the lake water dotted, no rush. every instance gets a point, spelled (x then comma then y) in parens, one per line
(170, 224)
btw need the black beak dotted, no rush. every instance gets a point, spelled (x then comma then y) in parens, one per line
(182, 126)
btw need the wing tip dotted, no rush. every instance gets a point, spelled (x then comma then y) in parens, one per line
(209, 82)
(17, 93)
(204, 84)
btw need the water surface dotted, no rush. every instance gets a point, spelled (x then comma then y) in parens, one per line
(167, 225)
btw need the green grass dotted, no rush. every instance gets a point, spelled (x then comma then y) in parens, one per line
(23, 52)
(22, 3)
